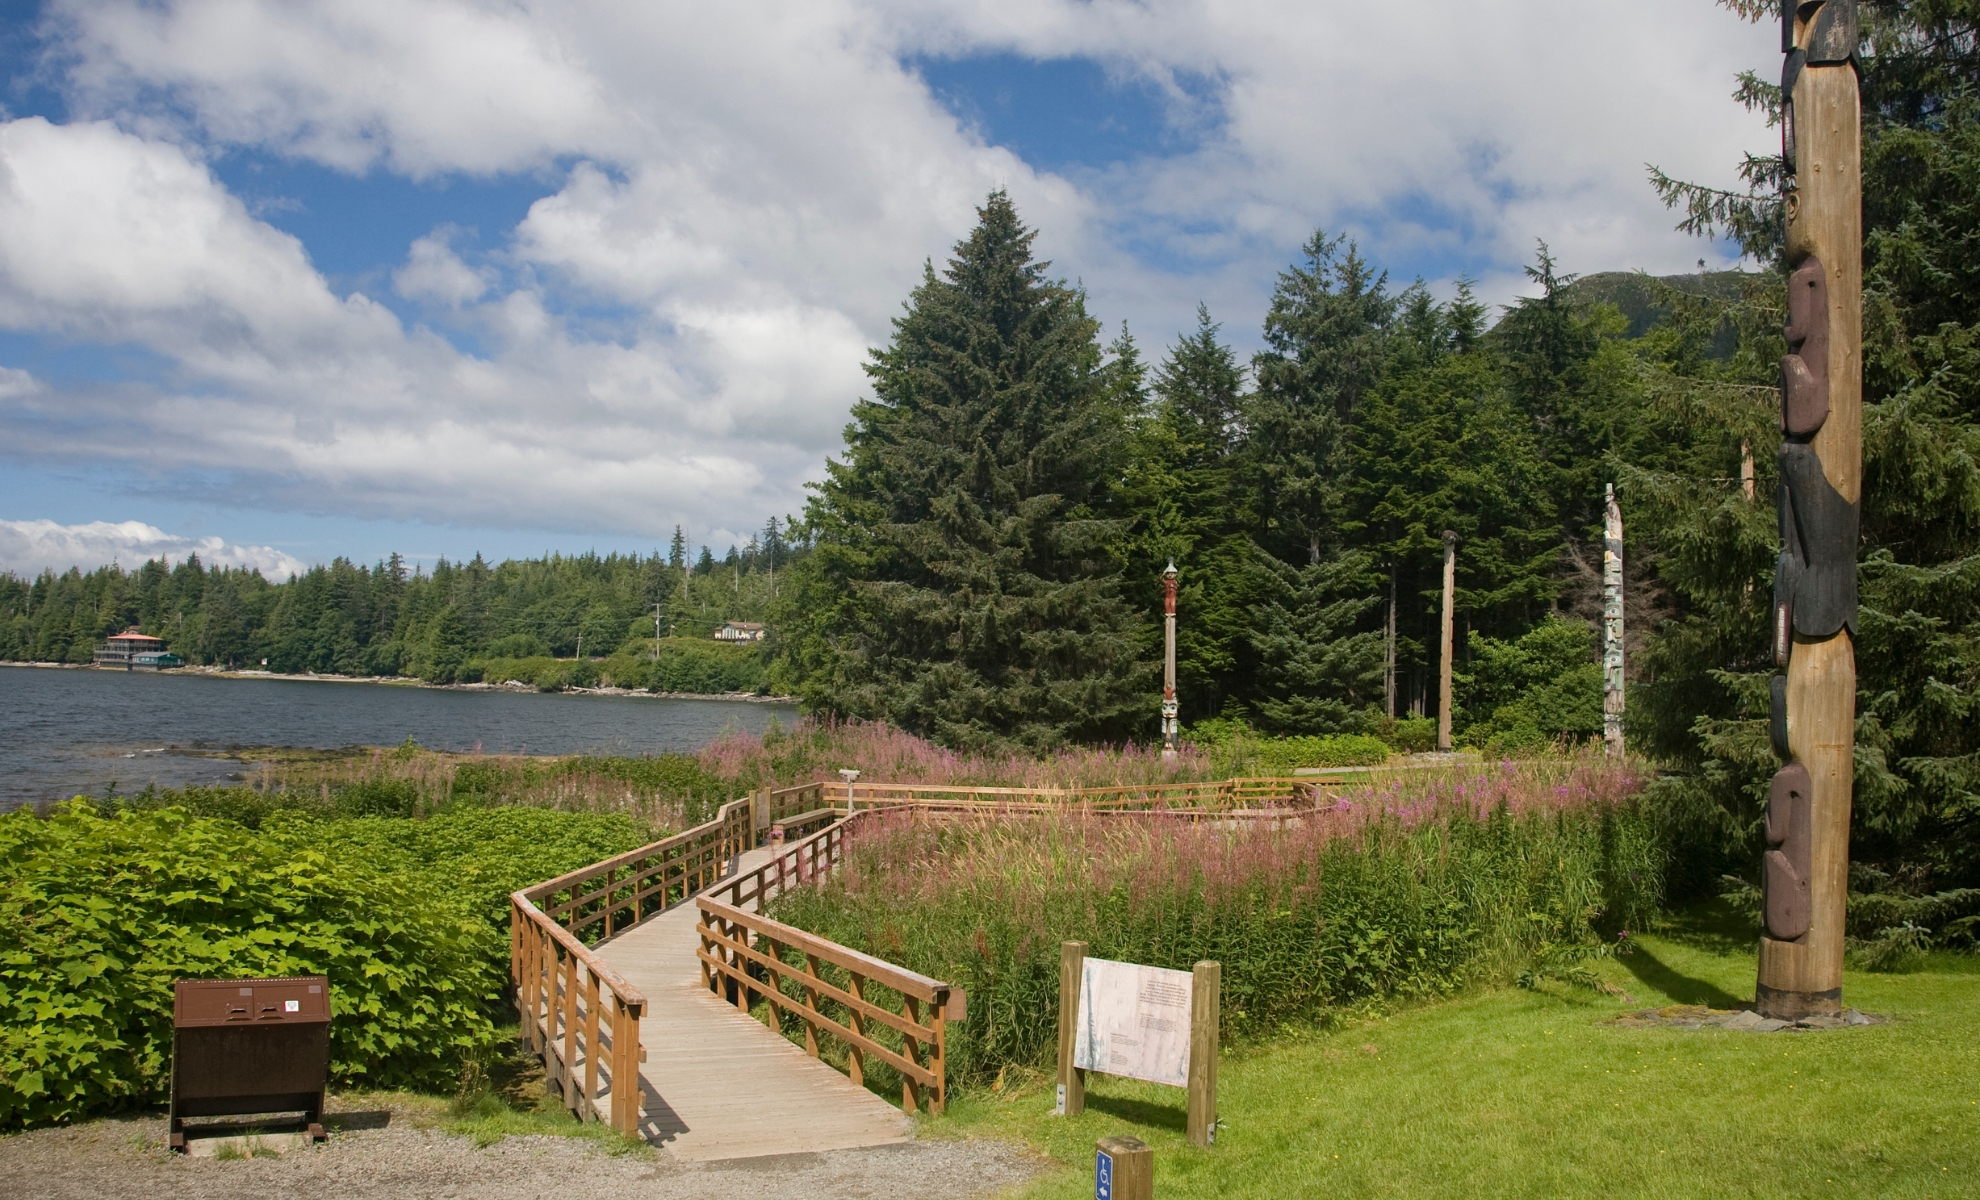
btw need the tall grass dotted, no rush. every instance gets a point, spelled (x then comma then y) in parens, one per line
(1409, 889)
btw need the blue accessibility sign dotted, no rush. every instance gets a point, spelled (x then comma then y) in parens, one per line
(1103, 1176)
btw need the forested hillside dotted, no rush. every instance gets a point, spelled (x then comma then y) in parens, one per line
(387, 620)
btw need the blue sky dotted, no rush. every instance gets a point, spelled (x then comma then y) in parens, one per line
(283, 281)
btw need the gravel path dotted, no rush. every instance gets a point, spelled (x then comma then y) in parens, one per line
(121, 1157)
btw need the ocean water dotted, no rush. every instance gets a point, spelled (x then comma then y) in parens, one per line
(70, 732)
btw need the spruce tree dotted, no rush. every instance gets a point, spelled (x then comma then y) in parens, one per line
(1192, 506)
(967, 535)
(1327, 338)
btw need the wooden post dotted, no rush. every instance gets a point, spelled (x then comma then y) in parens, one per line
(589, 1112)
(1205, 1011)
(1072, 1080)
(1123, 1169)
(1389, 654)
(1748, 487)
(570, 1030)
(1450, 648)
(1171, 734)
(1612, 626)
(1806, 869)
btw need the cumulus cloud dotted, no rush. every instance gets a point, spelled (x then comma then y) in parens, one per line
(736, 199)
(28, 548)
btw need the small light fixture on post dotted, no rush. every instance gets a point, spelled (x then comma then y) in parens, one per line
(1170, 733)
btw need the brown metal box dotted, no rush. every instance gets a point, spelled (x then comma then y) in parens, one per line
(244, 1047)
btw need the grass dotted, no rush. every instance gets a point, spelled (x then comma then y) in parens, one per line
(1529, 1093)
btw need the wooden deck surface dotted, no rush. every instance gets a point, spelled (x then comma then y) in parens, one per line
(720, 1085)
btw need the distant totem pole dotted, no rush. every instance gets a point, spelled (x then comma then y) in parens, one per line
(1805, 871)
(1450, 643)
(1170, 732)
(1612, 625)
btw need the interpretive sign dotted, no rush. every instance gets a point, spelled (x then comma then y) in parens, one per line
(1148, 1023)
(1134, 1021)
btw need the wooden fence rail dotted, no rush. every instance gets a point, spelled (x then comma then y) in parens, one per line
(579, 1014)
(584, 1019)
(748, 957)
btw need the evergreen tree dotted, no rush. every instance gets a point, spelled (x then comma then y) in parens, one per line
(1316, 673)
(1188, 492)
(968, 530)
(1327, 338)
(677, 549)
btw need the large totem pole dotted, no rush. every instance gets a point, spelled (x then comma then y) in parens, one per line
(1805, 872)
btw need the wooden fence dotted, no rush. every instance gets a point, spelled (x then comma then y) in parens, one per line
(579, 1014)
(831, 989)
(583, 1018)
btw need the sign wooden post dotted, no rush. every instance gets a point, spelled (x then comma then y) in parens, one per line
(1805, 871)
(1450, 648)
(1205, 1005)
(1072, 1080)
(1123, 1169)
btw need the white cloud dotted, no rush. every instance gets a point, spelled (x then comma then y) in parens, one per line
(434, 272)
(15, 383)
(739, 197)
(29, 547)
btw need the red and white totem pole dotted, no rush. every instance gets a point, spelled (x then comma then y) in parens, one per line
(1170, 732)
(1805, 871)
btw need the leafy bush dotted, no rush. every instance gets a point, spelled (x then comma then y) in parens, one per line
(99, 912)
(1412, 735)
(1237, 749)
(1521, 695)
(1405, 890)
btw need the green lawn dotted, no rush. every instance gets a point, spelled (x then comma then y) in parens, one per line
(1513, 1093)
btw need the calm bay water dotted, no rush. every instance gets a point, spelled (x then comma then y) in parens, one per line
(65, 732)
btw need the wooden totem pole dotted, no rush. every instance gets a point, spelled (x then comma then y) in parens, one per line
(1612, 625)
(1171, 733)
(1805, 872)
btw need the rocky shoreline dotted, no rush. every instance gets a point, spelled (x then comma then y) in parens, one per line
(413, 681)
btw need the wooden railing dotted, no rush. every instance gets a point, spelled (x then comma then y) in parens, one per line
(831, 989)
(579, 1014)
(799, 863)
(1218, 795)
(583, 1018)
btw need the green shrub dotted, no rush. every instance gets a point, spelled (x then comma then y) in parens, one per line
(1412, 735)
(377, 798)
(100, 912)
(1522, 695)
(98, 915)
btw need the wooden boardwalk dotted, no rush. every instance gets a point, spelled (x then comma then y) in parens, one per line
(719, 1085)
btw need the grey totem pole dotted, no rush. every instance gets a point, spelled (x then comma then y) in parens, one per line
(1612, 625)
(1805, 870)
(1170, 732)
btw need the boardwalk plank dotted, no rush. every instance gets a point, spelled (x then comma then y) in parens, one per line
(718, 1084)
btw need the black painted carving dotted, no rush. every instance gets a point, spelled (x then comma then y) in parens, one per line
(1817, 572)
(1805, 369)
(1786, 867)
(1777, 717)
(1834, 35)
(1833, 38)
(1790, 71)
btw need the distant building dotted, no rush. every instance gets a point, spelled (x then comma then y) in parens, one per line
(739, 631)
(134, 651)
